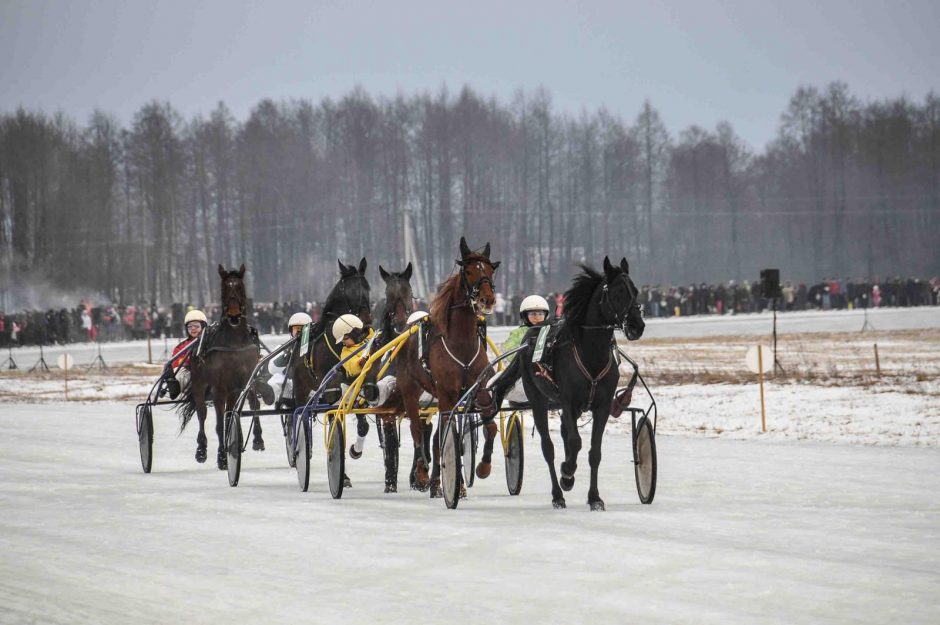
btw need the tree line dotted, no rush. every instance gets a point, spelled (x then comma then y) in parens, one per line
(146, 212)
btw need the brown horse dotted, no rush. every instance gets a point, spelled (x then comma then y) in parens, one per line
(455, 350)
(223, 363)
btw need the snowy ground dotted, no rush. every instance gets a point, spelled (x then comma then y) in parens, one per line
(830, 516)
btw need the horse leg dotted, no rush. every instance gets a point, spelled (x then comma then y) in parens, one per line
(419, 468)
(594, 456)
(219, 400)
(485, 465)
(572, 447)
(199, 399)
(540, 415)
(390, 445)
(436, 490)
(257, 442)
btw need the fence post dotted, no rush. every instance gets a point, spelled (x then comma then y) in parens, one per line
(149, 351)
(877, 361)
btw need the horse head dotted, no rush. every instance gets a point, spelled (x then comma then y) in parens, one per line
(352, 292)
(398, 297)
(234, 299)
(619, 300)
(476, 277)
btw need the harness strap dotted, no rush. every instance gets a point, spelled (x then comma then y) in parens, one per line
(584, 371)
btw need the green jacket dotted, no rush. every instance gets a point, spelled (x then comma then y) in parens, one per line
(514, 340)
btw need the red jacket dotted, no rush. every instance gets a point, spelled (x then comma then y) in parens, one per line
(184, 359)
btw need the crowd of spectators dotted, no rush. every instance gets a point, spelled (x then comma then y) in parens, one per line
(828, 294)
(86, 322)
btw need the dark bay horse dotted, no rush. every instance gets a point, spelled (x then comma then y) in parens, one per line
(223, 363)
(456, 352)
(582, 371)
(393, 315)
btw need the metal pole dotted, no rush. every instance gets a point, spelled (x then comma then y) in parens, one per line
(760, 369)
(149, 351)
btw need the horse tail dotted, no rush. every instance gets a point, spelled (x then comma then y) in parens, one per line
(186, 409)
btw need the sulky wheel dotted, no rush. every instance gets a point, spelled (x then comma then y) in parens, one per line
(515, 456)
(450, 462)
(233, 447)
(644, 460)
(468, 446)
(145, 437)
(286, 421)
(336, 457)
(302, 458)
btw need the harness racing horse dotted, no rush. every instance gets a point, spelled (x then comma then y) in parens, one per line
(456, 353)
(581, 370)
(349, 295)
(223, 363)
(395, 310)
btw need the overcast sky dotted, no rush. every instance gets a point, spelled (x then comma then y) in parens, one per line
(699, 62)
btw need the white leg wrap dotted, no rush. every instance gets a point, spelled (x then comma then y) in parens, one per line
(360, 442)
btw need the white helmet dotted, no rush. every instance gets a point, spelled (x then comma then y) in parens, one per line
(344, 325)
(299, 319)
(195, 315)
(417, 315)
(531, 304)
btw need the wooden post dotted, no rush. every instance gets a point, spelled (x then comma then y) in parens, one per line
(760, 368)
(149, 351)
(66, 379)
(877, 361)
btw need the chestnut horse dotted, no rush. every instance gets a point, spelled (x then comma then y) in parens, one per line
(456, 353)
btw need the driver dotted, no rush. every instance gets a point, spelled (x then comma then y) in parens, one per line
(534, 312)
(195, 323)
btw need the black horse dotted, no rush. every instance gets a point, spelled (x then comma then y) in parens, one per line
(223, 364)
(580, 372)
(350, 295)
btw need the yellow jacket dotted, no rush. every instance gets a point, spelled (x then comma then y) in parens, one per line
(353, 366)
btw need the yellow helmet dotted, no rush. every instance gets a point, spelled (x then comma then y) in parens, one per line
(344, 325)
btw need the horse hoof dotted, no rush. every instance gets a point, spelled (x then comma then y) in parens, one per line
(597, 506)
(391, 487)
(421, 478)
(436, 490)
(463, 491)
(558, 504)
(347, 483)
(355, 455)
(567, 482)
(483, 469)
(257, 444)
(222, 461)
(200, 455)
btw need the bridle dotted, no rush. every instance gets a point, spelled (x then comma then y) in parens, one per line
(402, 300)
(233, 288)
(619, 319)
(472, 291)
(363, 297)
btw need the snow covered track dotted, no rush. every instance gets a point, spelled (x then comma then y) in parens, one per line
(757, 531)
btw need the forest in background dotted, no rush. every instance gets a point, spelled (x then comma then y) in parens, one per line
(847, 189)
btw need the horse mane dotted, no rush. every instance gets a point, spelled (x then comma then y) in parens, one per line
(440, 305)
(578, 297)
